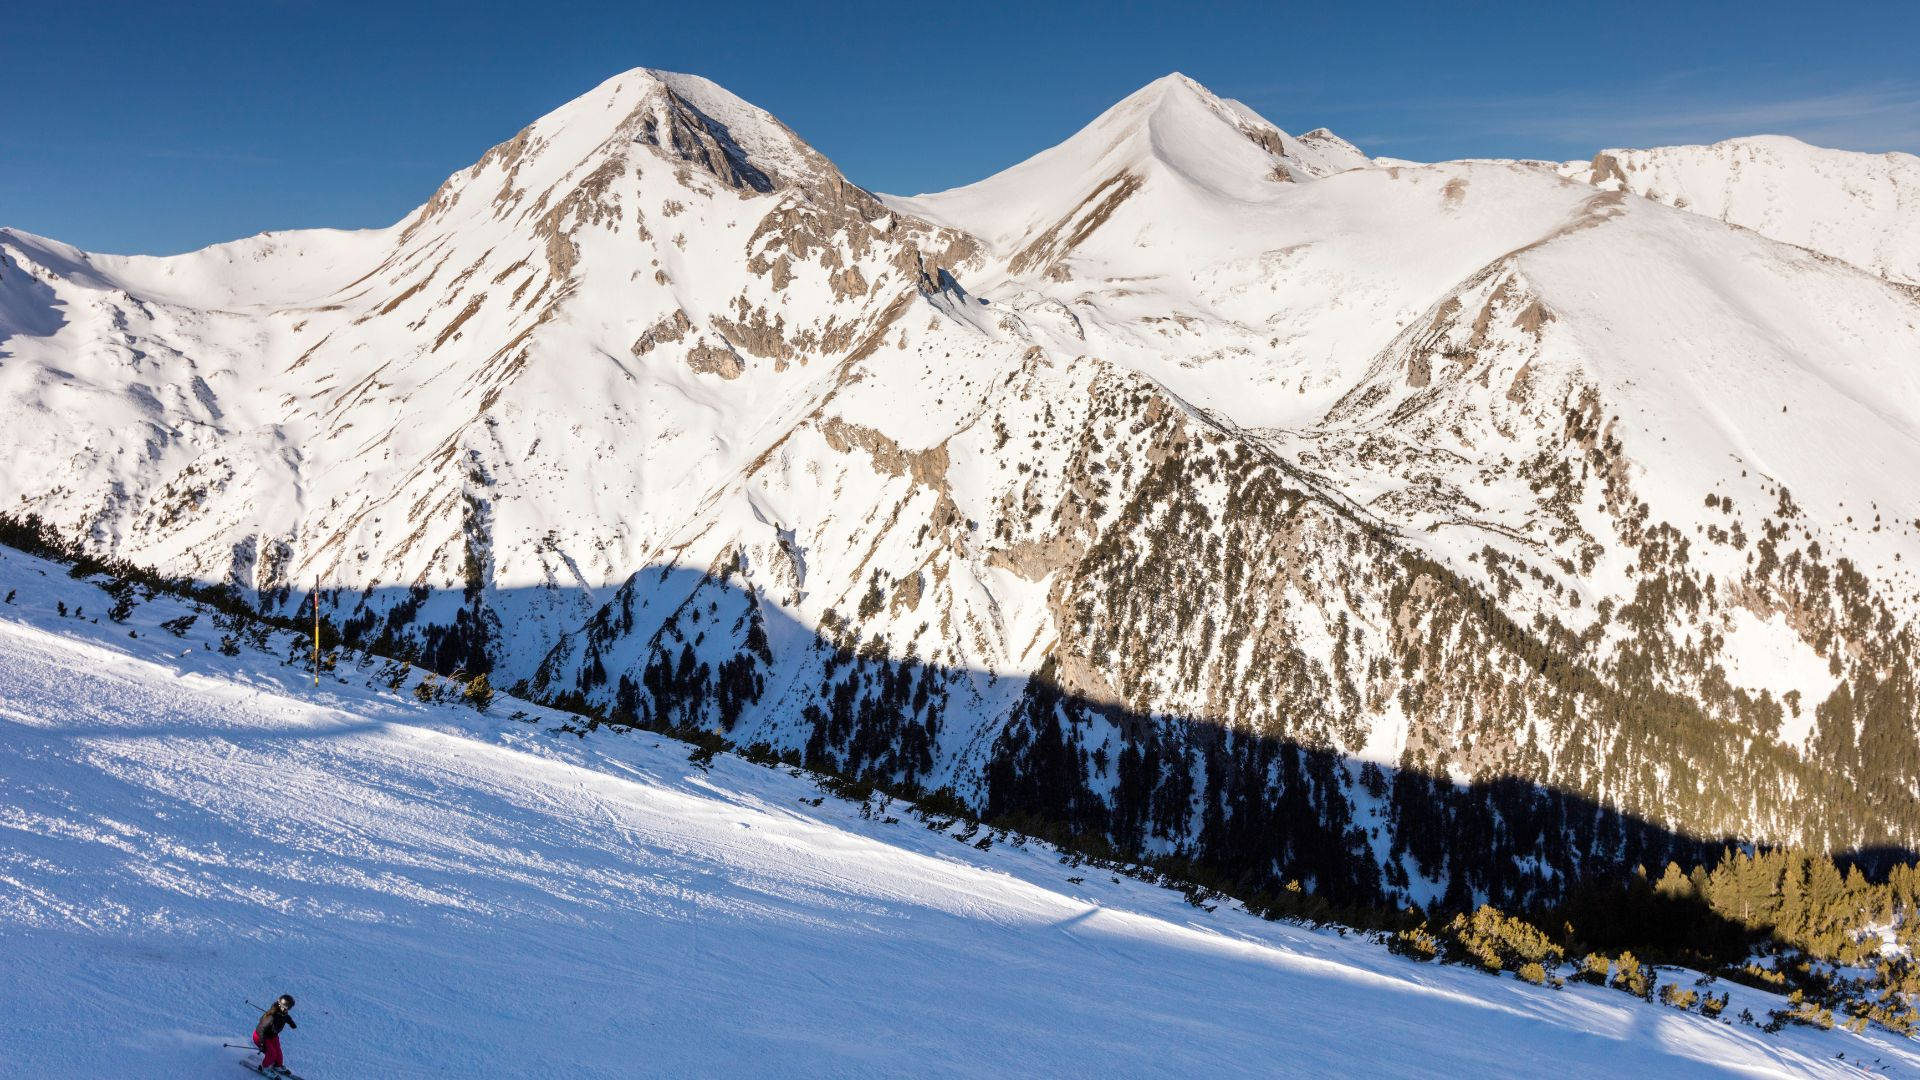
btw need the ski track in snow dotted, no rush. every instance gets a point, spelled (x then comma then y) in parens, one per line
(456, 894)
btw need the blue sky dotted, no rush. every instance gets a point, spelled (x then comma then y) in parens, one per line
(162, 127)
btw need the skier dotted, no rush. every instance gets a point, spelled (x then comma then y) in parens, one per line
(266, 1034)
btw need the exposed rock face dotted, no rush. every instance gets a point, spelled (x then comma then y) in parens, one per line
(1412, 532)
(715, 360)
(683, 131)
(670, 329)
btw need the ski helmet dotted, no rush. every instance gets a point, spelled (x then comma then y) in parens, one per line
(286, 1001)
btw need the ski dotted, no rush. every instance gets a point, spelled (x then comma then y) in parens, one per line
(275, 1074)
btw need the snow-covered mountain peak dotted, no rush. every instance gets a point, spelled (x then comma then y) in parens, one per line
(655, 268)
(1172, 84)
(639, 122)
(683, 116)
(574, 167)
(1171, 111)
(1162, 101)
(1173, 138)
(1332, 153)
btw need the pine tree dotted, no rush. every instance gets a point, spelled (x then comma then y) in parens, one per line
(479, 692)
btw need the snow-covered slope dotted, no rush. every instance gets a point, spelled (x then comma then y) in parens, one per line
(1864, 208)
(1182, 473)
(452, 893)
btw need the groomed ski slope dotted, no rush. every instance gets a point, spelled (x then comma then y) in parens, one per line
(458, 894)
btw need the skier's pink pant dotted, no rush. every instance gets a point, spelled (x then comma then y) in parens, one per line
(269, 1050)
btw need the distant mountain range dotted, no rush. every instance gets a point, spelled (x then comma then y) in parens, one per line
(1409, 531)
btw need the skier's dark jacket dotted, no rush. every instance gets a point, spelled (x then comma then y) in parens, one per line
(272, 1021)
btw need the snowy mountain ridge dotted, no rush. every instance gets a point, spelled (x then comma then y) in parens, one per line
(1191, 486)
(1864, 208)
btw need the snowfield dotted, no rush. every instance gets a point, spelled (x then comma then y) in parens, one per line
(452, 893)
